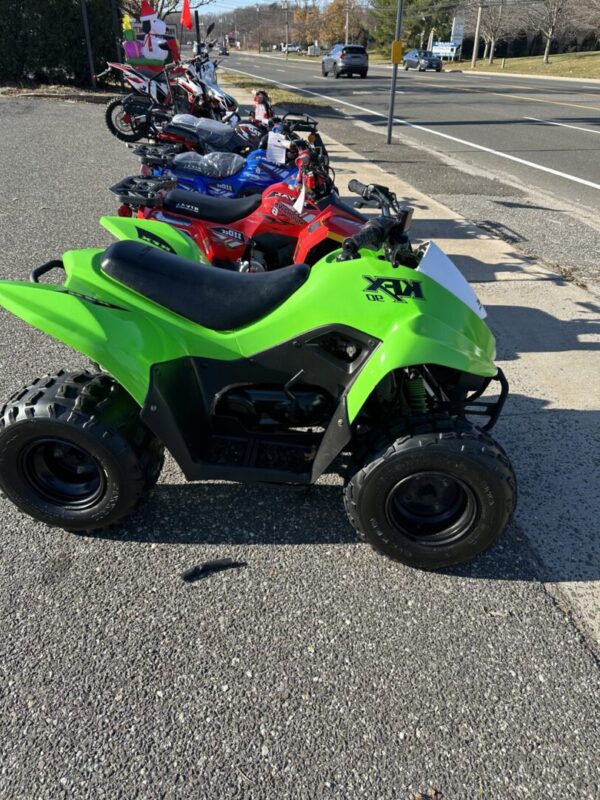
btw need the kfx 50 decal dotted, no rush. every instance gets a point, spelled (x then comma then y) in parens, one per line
(152, 238)
(398, 289)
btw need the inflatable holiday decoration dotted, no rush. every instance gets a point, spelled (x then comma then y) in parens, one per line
(155, 48)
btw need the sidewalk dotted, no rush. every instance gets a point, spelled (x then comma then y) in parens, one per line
(548, 336)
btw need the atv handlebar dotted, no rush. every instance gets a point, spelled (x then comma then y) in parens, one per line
(371, 236)
(384, 231)
(356, 187)
(375, 195)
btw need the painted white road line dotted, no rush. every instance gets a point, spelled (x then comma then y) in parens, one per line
(432, 131)
(562, 125)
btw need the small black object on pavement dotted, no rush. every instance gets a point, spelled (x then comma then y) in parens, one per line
(201, 571)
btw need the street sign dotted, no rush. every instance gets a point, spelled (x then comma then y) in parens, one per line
(397, 52)
(444, 49)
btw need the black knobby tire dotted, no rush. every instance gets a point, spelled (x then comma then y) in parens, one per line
(74, 452)
(114, 111)
(434, 498)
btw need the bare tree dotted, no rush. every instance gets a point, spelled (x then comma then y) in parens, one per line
(494, 25)
(552, 18)
(162, 7)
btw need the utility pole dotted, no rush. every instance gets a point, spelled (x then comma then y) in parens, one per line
(258, 13)
(116, 28)
(286, 6)
(430, 40)
(398, 33)
(88, 42)
(476, 42)
(347, 20)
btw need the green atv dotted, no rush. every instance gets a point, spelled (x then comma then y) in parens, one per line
(371, 362)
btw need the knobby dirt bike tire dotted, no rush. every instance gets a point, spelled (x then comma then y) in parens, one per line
(134, 136)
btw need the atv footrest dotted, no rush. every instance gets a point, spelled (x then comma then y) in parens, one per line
(262, 453)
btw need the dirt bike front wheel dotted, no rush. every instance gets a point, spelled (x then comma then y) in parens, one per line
(120, 123)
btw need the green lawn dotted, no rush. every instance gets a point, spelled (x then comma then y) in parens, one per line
(285, 97)
(567, 65)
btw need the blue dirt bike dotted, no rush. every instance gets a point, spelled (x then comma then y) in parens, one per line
(217, 174)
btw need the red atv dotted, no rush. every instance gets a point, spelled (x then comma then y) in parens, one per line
(287, 224)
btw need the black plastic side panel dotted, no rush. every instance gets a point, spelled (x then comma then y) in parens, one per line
(183, 394)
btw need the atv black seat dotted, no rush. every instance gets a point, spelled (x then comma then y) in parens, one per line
(212, 209)
(200, 132)
(218, 299)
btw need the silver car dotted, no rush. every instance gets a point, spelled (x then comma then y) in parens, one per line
(345, 59)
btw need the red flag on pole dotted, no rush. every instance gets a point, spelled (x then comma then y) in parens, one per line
(186, 15)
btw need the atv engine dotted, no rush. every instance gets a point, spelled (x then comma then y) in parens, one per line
(268, 407)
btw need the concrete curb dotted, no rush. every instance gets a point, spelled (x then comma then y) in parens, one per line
(86, 97)
(506, 74)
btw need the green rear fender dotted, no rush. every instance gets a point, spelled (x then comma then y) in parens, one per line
(158, 234)
(119, 329)
(123, 342)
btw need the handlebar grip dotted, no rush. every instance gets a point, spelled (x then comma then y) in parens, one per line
(357, 187)
(371, 237)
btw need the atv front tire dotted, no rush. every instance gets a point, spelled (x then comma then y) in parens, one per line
(435, 498)
(74, 452)
(119, 124)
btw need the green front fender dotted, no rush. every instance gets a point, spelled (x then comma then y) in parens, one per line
(425, 340)
(125, 343)
(157, 234)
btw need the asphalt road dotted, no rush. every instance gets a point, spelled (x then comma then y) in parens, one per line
(551, 126)
(459, 137)
(320, 670)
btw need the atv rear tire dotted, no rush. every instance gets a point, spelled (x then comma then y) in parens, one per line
(435, 498)
(116, 123)
(74, 452)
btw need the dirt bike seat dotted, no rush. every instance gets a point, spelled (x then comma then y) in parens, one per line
(218, 299)
(207, 132)
(212, 165)
(211, 209)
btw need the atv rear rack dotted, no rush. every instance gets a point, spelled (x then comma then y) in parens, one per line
(156, 155)
(137, 190)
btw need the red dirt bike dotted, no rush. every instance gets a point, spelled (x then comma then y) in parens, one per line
(159, 94)
(287, 224)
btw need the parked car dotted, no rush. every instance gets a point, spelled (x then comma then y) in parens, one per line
(345, 59)
(422, 60)
(291, 48)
